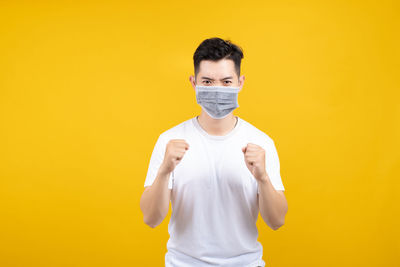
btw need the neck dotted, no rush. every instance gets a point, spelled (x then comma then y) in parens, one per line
(217, 126)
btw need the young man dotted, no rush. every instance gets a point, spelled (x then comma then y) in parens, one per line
(218, 171)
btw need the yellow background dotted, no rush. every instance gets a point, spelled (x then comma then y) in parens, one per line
(87, 87)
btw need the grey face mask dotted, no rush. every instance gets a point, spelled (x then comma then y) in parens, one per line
(217, 101)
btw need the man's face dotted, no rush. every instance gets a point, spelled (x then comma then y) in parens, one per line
(217, 73)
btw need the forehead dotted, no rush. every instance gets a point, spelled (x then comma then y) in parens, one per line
(217, 69)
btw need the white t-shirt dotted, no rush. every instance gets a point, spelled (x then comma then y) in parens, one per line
(214, 196)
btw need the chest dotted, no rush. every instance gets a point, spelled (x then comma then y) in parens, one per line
(210, 167)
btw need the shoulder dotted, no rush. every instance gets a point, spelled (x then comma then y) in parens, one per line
(255, 133)
(176, 131)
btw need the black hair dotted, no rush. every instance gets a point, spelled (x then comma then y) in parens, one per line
(216, 49)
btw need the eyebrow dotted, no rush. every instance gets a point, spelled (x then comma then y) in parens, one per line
(229, 77)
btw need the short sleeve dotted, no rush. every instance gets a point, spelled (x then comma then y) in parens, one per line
(273, 166)
(156, 159)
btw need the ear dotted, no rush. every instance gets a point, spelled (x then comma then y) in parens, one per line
(241, 82)
(192, 81)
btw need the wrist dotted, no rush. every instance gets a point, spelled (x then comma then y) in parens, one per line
(163, 171)
(264, 179)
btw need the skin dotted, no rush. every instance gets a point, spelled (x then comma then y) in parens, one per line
(155, 199)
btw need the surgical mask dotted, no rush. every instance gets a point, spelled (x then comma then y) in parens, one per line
(217, 101)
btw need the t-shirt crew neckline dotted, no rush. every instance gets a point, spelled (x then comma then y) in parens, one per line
(217, 137)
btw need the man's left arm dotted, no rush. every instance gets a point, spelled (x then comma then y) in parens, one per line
(272, 203)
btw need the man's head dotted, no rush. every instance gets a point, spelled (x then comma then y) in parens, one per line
(217, 62)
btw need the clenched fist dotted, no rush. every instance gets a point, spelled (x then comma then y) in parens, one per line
(174, 152)
(254, 156)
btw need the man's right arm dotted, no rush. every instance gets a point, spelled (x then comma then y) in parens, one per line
(154, 202)
(155, 199)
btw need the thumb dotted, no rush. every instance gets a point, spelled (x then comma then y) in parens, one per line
(244, 149)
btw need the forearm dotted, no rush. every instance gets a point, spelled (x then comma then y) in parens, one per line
(154, 202)
(273, 205)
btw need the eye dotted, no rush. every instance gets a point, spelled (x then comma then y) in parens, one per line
(228, 81)
(206, 81)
